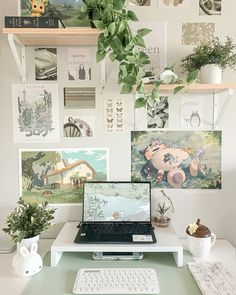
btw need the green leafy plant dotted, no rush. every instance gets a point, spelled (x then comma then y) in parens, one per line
(211, 52)
(121, 44)
(28, 220)
(118, 41)
(162, 209)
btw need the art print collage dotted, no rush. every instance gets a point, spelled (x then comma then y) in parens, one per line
(189, 158)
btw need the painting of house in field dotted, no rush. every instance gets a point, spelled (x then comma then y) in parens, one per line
(57, 176)
(177, 159)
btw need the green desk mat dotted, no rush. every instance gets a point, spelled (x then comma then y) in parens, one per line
(60, 280)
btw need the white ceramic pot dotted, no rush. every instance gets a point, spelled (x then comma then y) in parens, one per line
(210, 74)
(201, 247)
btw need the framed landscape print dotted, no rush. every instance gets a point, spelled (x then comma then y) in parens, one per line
(177, 159)
(57, 175)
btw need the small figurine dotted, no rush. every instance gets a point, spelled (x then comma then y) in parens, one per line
(37, 7)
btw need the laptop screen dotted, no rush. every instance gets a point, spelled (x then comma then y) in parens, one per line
(117, 201)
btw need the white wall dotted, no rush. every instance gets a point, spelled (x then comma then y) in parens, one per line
(216, 209)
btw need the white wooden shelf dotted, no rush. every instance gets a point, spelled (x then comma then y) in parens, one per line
(166, 237)
(194, 88)
(21, 37)
(203, 89)
(55, 37)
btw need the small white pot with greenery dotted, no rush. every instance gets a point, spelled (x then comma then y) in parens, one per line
(27, 222)
(211, 58)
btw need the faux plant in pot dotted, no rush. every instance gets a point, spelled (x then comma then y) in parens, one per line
(28, 221)
(24, 225)
(211, 58)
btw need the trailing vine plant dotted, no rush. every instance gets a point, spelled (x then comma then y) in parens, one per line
(122, 44)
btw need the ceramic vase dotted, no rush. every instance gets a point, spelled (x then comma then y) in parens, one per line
(201, 247)
(210, 74)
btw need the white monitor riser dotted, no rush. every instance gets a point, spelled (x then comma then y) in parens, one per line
(167, 241)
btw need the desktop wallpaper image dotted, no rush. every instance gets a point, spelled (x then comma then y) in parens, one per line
(117, 202)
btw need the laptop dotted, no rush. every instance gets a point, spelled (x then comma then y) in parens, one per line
(116, 212)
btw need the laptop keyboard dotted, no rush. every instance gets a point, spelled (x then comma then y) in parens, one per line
(117, 228)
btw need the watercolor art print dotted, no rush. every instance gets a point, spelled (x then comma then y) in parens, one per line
(35, 112)
(174, 3)
(114, 115)
(139, 2)
(57, 175)
(79, 64)
(155, 45)
(45, 63)
(210, 7)
(66, 10)
(192, 112)
(177, 159)
(78, 126)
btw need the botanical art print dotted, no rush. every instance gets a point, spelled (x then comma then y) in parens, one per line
(57, 175)
(177, 159)
(35, 112)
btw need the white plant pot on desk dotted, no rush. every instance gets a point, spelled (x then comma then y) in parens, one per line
(210, 74)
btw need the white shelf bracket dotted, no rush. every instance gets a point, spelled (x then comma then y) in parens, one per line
(103, 72)
(218, 113)
(20, 58)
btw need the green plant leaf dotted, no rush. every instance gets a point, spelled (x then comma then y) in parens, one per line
(84, 8)
(112, 56)
(192, 77)
(99, 24)
(112, 28)
(143, 32)
(132, 16)
(126, 89)
(178, 88)
(140, 102)
(138, 40)
(121, 26)
(100, 55)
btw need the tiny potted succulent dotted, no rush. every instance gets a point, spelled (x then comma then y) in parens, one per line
(211, 58)
(28, 221)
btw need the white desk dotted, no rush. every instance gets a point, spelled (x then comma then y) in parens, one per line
(12, 285)
(167, 241)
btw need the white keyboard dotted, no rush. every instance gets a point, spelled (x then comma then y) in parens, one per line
(116, 281)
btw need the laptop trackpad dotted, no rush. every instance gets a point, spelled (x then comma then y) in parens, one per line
(116, 238)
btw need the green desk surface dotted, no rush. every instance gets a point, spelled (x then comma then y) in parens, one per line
(60, 280)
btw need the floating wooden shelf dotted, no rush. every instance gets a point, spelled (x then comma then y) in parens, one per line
(194, 88)
(56, 37)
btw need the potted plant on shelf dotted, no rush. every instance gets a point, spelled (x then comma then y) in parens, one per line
(211, 58)
(28, 221)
